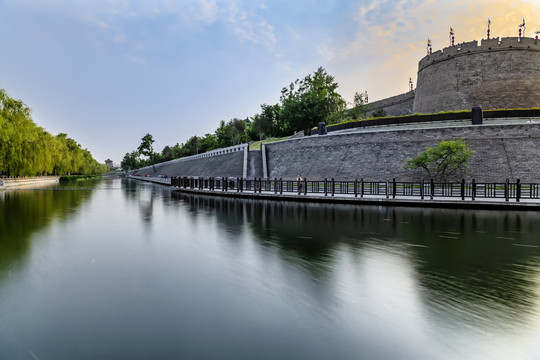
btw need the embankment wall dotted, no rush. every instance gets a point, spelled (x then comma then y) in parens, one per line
(500, 152)
(229, 164)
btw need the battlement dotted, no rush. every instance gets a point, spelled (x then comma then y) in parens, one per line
(496, 44)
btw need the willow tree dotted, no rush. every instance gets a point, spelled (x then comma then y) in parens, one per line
(28, 150)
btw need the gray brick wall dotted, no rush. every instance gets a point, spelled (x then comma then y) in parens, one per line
(396, 105)
(501, 151)
(230, 165)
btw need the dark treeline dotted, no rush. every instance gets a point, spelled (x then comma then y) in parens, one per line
(303, 104)
(28, 150)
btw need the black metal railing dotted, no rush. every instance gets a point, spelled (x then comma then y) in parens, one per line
(470, 190)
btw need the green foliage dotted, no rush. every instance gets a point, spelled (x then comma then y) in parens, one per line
(304, 103)
(70, 178)
(309, 101)
(28, 150)
(258, 144)
(443, 162)
(146, 145)
(360, 107)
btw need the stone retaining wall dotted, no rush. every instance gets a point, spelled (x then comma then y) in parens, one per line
(501, 152)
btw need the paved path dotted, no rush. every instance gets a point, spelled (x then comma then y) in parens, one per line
(380, 200)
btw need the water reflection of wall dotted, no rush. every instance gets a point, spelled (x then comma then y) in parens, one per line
(25, 212)
(486, 263)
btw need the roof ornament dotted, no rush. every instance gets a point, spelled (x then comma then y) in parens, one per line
(489, 26)
(429, 46)
(522, 25)
(451, 36)
(537, 32)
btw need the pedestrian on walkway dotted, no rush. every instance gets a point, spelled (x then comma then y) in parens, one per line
(299, 179)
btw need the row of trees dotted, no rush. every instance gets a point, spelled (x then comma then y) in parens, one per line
(303, 104)
(28, 150)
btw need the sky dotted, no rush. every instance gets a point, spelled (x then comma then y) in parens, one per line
(106, 72)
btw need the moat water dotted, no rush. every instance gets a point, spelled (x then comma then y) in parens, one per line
(117, 269)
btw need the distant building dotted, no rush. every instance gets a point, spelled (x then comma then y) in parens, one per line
(109, 163)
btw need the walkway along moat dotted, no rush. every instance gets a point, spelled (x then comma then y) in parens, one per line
(464, 194)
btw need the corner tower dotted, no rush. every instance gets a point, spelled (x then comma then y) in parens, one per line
(500, 73)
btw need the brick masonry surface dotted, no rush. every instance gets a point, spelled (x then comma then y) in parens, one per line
(500, 152)
(498, 74)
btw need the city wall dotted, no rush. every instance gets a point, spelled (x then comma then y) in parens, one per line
(500, 152)
(394, 106)
(498, 74)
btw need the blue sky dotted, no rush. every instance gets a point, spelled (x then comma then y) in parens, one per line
(106, 72)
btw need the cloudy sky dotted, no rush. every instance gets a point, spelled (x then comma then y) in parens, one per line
(106, 72)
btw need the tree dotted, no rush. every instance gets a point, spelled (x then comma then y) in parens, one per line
(146, 146)
(446, 160)
(360, 107)
(130, 161)
(207, 143)
(309, 101)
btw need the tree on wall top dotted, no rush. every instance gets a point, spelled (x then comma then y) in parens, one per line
(446, 160)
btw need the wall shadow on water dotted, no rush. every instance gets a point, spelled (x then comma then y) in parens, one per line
(26, 212)
(486, 263)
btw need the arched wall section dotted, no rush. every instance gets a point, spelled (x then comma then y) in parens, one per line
(498, 74)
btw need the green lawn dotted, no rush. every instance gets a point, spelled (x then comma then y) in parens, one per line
(257, 144)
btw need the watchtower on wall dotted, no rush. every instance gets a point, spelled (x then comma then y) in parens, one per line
(500, 73)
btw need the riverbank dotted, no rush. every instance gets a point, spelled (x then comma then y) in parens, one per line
(10, 183)
(524, 204)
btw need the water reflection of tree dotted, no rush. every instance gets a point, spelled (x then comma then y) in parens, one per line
(143, 195)
(469, 259)
(481, 262)
(25, 212)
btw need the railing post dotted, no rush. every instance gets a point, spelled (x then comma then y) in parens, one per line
(422, 190)
(355, 187)
(362, 187)
(462, 189)
(333, 186)
(394, 188)
(473, 189)
(275, 185)
(281, 185)
(226, 184)
(507, 190)
(518, 190)
(305, 186)
(432, 189)
(325, 187)
(386, 189)
(260, 185)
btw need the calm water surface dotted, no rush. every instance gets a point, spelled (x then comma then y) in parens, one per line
(123, 270)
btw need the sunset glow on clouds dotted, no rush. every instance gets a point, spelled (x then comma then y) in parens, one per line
(107, 72)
